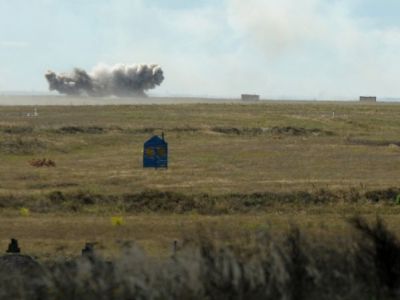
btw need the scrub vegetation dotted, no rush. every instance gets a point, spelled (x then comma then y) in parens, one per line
(231, 165)
(212, 264)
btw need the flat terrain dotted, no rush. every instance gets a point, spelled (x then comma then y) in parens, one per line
(216, 149)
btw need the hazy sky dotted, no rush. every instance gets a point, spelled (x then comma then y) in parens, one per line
(278, 48)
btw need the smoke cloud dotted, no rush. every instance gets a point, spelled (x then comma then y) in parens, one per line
(119, 80)
(320, 48)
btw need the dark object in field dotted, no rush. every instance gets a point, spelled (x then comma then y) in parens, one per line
(80, 129)
(155, 153)
(88, 251)
(174, 247)
(13, 247)
(39, 163)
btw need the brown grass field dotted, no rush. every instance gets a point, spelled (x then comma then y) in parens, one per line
(215, 150)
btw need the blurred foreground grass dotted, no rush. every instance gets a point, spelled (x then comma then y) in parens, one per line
(64, 235)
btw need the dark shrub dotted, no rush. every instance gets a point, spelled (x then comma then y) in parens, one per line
(382, 195)
(377, 257)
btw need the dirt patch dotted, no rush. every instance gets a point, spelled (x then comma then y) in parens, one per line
(40, 163)
(101, 130)
(47, 185)
(289, 131)
(16, 129)
(238, 131)
(145, 130)
(376, 143)
(394, 147)
(153, 130)
(299, 131)
(80, 129)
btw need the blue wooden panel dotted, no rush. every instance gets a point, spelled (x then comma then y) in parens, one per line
(155, 153)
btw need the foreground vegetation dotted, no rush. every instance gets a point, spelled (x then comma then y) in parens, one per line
(153, 201)
(219, 265)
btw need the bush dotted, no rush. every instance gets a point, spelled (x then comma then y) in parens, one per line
(81, 129)
(377, 257)
(16, 130)
(398, 199)
(382, 195)
(22, 146)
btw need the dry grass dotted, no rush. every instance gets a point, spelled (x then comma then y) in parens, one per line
(218, 149)
(63, 236)
(203, 157)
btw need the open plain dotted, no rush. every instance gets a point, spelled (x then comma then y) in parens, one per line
(232, 166)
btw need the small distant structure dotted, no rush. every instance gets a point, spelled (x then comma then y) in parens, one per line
(368, 99)
(250, 98)
(88, 250)
(13, 247)
(155, 153)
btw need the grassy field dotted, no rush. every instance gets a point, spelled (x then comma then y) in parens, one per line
(216, 150)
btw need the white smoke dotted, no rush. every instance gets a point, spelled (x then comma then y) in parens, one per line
(287, 25)
(320, 48)
(118, 80)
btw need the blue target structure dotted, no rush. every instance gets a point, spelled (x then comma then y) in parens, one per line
(155, 153)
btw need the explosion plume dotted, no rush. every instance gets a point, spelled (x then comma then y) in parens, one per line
(119, 80)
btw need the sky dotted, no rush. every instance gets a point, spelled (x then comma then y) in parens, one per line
(314, 49)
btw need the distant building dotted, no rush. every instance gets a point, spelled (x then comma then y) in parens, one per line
(155, 153)
(368, 99)
(247, 97)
